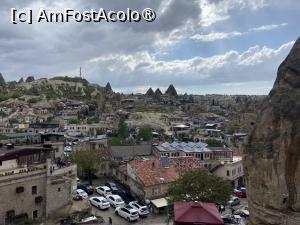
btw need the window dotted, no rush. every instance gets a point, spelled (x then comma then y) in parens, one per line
(38, 199)
(19, 189)
(0, 163)
(58, 189)
(10, 214)
(34, 190)
(155, 191)
(228, 173)
(34, 214)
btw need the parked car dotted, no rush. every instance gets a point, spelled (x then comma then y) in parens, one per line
(67, 221)
(82, 193)
(99, 202)
(234, 201)
(103, 190)
(87, 188)
(127, 212)
(125, 194)
(113, 187)
(141, 208)
(243, 212)
(228, 219)
(241, 193)
(115, 200)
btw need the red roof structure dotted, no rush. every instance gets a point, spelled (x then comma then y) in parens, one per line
(196, 213)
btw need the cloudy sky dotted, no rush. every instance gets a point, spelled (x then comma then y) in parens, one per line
(201, 46)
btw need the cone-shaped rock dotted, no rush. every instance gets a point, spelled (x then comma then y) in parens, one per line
(158, 92)
(29, 79)
(271, 161)
(2, 81)
(150, 93)
(21, 80)
(108, 87)
(171, 91)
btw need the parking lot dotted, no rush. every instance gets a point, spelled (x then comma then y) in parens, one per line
(159, 219)
(117, 220)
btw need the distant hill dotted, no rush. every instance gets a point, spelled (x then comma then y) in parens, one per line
(54, 88)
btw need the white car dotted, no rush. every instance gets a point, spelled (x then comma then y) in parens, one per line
(99, 202)
(103, 190)
(127, 212)
(115, 200)
(243, 212)
(141, 208)
(82, 193)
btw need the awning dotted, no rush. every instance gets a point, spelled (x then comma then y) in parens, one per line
(160, 202)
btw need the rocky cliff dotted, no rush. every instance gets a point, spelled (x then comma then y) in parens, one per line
(271, 158)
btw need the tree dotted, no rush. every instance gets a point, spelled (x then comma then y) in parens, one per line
(214, 143)
(100, 131)
(200, 185)
(87, 161)
(122, 128)
(145, 134)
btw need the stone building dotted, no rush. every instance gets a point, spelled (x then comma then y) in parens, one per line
(151, 178)
(207, 156)
(231, 170)
(30, 185)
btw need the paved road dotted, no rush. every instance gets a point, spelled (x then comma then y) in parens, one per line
(117, 220)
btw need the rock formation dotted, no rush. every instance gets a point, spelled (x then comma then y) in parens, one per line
(158, 92)
(272, 154)
(150, 93)
(21, 80)
(108, 87)
(29, 79)
(2, 81)
(171, 91)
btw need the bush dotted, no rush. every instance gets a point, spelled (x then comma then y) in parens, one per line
(214, 143)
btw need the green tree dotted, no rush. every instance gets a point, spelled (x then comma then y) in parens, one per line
(100, 131)
(122, 128)
(145, 133)
(200, 185)
(214, 143)
(73, 121)
(87, 161)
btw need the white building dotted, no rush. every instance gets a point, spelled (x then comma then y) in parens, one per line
(231, 170)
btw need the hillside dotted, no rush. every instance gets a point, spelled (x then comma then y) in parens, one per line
(54, 88)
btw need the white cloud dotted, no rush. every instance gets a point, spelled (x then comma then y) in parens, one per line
(142, 69)
(268, 27)
(215, 36)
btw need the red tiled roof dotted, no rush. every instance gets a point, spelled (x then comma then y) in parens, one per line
(196, 213)
(150, 172)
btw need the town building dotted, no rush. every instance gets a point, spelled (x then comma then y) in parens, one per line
(33, 186)
(208, 156)
(231, 170)
(150, 178)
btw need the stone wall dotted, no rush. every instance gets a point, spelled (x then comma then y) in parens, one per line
(128, 152)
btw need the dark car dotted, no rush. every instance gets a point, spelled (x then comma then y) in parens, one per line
(87, 188)
(125, 195)
(228, 219)
(112, 186)
(67, 221)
